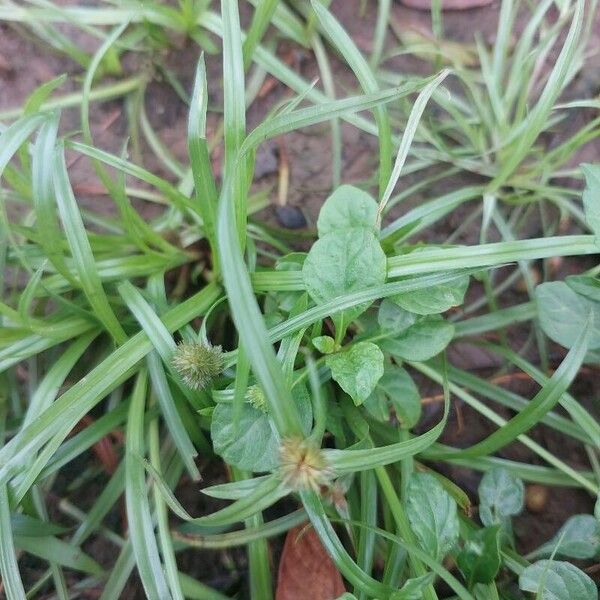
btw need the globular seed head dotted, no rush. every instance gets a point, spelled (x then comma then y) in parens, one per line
(256, 397)
(302, 465)
(198, 364)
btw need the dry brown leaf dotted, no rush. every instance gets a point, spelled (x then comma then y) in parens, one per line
(306, 572)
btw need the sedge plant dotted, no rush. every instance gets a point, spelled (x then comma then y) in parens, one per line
(302, 369)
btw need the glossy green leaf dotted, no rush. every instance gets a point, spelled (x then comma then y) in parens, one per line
(421, 341)
(346, 208)
(435, 300)
(250, 440)
(357, 369)
(578, 538)
(501, 495)
(556, 580)
(479, 560)
(396, 390)
(324, 344)
(584, 285)
(392, 318)
(563, 314)
(433, 515)
(341, 262)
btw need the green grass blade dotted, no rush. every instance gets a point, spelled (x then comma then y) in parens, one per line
(141, 527)
(487, 255)
(243, 536)
(260, 22)
(52, 549)
(234, 112)
(43, 197)
(164, 535)
(356, 61)
(81, 249)
(160, 386)
(540, 112)
(407, 138)
(249, 321)
(9, 568)
(351, 461)
(57, 420)
(542, 403)
(206, 197)
(349, 569)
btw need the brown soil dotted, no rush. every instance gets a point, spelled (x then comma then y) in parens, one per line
(25, 64)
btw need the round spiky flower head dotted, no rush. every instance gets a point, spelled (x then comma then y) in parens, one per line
(302, 465)
(256, 397)
(198, 364)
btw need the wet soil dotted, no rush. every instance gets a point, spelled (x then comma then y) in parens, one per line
(25, 64)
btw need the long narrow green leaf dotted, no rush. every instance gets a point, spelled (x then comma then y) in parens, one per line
(234, 113)
(349, 569)
(206, 196)
(58, 419)
(9, 569)
(486, 255)
(407, 138)
(542, 403)
(141, 527)
(356, 61)
(52, 549)
(260, 22)
(81, 249)
(43, 197)
(249, 321)
(172, 419)
(243, 536)
(539, 113)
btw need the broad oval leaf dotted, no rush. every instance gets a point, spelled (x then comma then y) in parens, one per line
(357, 370)
(501, 495)
(556, 580)
(432, 514)
(435, 300)
(421, 341)
(392, 318)
(585, 285)
(563, 314)
(578, 538)
(306, 570)
(247, 439)
(396, 389)
(344, 261)
(346, 208)
(479, 560)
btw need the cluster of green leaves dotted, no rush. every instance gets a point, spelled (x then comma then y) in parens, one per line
(321, 396)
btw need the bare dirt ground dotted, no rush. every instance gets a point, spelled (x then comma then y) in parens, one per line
(25, 64)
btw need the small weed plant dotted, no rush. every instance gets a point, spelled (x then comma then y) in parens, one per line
(205, 334)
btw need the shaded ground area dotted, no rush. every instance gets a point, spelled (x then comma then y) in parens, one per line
(25, 64)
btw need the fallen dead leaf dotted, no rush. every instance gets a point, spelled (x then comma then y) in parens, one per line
(306, 571)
